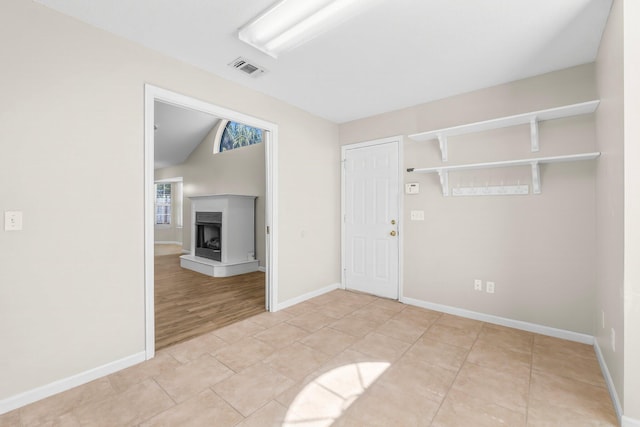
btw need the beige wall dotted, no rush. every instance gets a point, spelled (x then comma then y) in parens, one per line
(632, 209)
(170, 232)
(610, 196)
(538, 249)
(239, 171)
(71, 111)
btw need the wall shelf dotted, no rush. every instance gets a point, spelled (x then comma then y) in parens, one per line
(531, 118)
(443, 171)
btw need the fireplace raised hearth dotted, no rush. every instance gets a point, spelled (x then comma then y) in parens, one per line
(222, 236)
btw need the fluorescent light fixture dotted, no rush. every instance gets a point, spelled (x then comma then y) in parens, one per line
(289, 23)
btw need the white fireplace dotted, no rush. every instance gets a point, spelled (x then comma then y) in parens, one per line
(222, 235)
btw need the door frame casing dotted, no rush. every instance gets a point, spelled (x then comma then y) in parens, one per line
(153, 93)
(399, 140)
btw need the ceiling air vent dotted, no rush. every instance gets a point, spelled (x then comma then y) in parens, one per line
(247, 67)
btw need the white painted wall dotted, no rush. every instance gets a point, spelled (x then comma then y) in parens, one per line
(71, 113)
(538, 249)
(632, 210)
(610, 196)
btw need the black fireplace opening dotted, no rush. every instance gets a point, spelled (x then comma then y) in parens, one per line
(208, 236)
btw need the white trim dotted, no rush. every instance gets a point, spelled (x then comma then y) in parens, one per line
(149, 220)
(175, 179)
(307, 296)
(372, 143)
(399, 139)
(218, 138)
(271, 217)
(610, 385)
(27, 397)
(511, 323)
(401, 172)
(154, 93)
(262, 269)
(167, 242)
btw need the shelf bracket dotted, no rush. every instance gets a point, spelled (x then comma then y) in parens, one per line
(535, 177)
(444, 181)
(442, 139)
(535, 143)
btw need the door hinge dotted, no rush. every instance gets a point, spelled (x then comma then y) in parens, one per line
(268, 230)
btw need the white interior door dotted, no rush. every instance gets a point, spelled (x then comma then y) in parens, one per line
(371, 210)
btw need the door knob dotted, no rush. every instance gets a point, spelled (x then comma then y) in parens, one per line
(393, 233)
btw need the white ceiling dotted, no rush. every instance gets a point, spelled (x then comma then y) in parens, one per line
(393, 55)
(179, 131)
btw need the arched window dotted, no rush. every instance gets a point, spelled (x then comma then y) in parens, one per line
(235, 135)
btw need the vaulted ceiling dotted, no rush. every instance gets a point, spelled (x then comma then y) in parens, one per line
(393, 55)
(178, 132)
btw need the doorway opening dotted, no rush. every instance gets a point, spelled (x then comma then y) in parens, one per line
(266, 228)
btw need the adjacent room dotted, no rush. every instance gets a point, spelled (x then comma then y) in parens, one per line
(219, 162)
(327, 212)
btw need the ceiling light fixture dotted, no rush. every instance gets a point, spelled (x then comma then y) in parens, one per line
(289, 23)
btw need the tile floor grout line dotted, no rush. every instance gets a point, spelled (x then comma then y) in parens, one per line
(466, 357)
(526, 414)
(175, 403)
(231, 404)
(234, 408)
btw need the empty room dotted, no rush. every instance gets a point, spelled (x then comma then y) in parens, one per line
(436, 222)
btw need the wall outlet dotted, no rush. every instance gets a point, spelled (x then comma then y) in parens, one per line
(491, 287)
(613, 339)
(12, 221)
(417, 215)
(477, 285)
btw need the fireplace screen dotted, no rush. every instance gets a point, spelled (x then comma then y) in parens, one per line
(208, 236)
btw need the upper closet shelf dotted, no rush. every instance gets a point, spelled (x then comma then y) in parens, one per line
(531, 118)
(443, 171)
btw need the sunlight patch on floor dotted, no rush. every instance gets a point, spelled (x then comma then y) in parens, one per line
(326, 398)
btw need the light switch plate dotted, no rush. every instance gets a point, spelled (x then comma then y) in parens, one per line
(12, 221)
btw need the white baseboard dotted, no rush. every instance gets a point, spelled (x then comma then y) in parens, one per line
(27, 397)
(623, 419)
(263, 269)
(166, 242)
(516, 324)
(307, 296)
(607, 377)
(629, 422)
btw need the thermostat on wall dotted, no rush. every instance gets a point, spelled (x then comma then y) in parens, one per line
(412, 188)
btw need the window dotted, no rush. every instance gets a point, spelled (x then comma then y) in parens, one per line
(236, 135)
(163, 203)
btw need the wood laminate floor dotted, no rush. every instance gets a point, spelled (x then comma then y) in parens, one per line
(189, 304)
